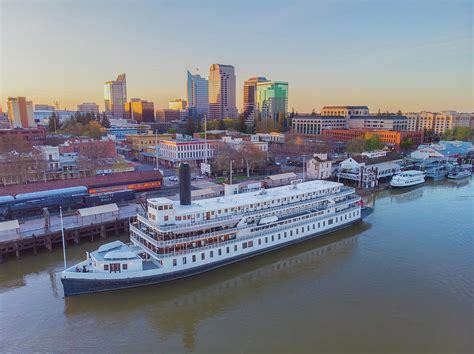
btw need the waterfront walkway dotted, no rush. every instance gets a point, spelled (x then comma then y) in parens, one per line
(35, 226)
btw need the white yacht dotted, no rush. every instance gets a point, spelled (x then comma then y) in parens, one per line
(408, 178)
(178, 239)
(460, 173)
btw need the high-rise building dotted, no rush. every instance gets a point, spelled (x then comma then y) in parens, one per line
(43, 107)
(178, 103)
(115, 96)
(250, 93)
(88, 107)
(197, 92)
(222, 92)
(20, 112)
(271, 100)
(139, 110)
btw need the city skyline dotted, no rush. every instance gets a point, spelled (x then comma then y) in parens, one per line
(329, 53)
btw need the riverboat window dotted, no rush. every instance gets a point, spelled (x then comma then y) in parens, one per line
(291, 232)
(227, 249)
(194, 258)
(235, 248)
(106, 267)
(184, 260)
(324, 223)
(203, 256)
(165, 217)
(266, 239)
(278, 236)
(175, 262)
(284, 233)
(330, 222)
(307, 229)
(244, 245)
(124, 266)
(250, 243)
(160, 207)
(314, 226)
(211, 254)
(259, 241)
(297, 230)
(319, 224)
(273, 238)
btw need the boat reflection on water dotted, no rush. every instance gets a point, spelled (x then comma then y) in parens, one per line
(178, 306)
(406, 195)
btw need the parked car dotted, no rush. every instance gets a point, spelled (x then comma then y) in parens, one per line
(173, 179)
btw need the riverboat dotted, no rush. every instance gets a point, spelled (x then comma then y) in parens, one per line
(177, 239)
(459, 174)
(408, 178)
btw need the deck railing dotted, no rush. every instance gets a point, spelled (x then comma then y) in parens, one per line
(271, 230)
(237, 215)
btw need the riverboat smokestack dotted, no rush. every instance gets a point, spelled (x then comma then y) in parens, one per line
(185, 184)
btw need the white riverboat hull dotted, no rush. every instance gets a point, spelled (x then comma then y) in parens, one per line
(83, 283)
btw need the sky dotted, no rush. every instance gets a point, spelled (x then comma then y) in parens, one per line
(389, 55)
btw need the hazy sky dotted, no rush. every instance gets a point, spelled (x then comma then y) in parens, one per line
(408, 55)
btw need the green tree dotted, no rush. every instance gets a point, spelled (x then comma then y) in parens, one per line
(54, 124)
(463, 133)
(406, 144)
(190, 126)
(105, 122)
(171, 130)
(241, 126)
(356, 145)
(399, 113)
(199, 126)
(373, 142)
(221, 125)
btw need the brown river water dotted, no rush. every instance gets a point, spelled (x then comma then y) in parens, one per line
(400, 282)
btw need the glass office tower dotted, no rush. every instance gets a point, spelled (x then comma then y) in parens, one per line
(271, 99)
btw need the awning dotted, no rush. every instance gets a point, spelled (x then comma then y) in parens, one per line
(102, 209)
(9, 225)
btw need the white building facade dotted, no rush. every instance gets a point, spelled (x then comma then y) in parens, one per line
(316, 124)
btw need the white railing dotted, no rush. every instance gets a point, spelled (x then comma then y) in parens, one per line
(237, 215)
(252, 236)
(234, 229)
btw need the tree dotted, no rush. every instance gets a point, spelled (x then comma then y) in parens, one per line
(252, 156)
(373, 142)
(54, 124)
(399, 113)
(190, 126)
(356, 145)
(241, 126)
(199, 126)
(281, 122)
(221, 125)
(94, 130)
(313, 112)
(171, 130)
(105, 122)
(406, 144)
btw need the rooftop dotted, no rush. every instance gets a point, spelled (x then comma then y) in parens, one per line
(381, 117)
(247, 198)
(346, 107)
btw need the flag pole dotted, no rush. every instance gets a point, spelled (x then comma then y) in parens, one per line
(62, 235)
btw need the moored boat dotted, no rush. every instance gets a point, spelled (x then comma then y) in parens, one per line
(408, 178)
(174, 240)
(459, 174)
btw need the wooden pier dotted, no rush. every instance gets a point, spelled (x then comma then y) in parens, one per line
(73, 236)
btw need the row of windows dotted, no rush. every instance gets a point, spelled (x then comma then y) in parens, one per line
(249, 244)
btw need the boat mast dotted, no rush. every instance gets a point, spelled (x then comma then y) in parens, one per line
(62, 236)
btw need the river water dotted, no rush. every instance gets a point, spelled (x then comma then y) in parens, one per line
(401, 281)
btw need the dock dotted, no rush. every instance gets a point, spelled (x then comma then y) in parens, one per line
(34, 235)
